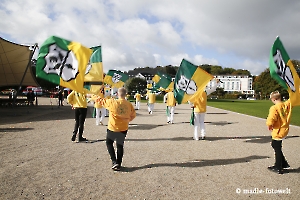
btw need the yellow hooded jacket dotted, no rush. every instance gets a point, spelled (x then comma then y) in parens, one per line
(279, 117)
(200, 103)
(77, 100)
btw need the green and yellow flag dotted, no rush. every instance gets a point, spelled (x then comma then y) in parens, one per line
(190, 81)
(63, 63)
(284, 72)
(93, 79)
(115, 78)
(163, 81)
(94, 70)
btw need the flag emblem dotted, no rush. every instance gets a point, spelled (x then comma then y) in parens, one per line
(283, 70)
(61, 62)
(116, 78)
(187, 85)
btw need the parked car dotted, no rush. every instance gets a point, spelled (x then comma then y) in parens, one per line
(251, 98)
(37, 90)
(214, 97)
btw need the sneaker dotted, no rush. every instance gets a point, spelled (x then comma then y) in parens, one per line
(82, 139)
(73, 138)
(101, 123)
(115, 166)
(272, 168)
(168, 122)
(286, 166)
(203, 138)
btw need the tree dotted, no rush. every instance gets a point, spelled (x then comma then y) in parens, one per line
(228, 71)
(216, 70)
(134, 85)
(264, 84)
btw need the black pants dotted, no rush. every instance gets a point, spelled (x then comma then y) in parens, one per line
(280, 161)
(120, 138)
(80, 115)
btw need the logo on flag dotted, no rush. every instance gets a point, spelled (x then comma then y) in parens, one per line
(61, 62)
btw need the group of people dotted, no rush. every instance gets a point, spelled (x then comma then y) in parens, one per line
(121, 112)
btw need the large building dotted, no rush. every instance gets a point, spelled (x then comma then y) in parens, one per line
(235, 83)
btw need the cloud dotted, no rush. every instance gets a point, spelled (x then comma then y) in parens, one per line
(232, 33)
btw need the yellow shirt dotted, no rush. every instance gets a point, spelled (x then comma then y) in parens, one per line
(95, 97)
(200, 103)
(137, 97)
(151, 98)
(121, 112)
(279, 117)
(171, 101)
(77, 100)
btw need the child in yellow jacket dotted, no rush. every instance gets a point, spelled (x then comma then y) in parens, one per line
(278, 122)
(121, 112)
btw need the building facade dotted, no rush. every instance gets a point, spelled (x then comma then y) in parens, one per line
(234, 83)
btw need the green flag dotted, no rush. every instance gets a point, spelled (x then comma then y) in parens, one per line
(63, 63)
(115, 78)
(163, 81)
(190, 81)
(94, 70)
(284, 72)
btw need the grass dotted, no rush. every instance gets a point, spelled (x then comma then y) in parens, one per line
(259, 108)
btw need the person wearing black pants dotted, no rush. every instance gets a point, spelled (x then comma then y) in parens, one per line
(280, 161)
(121, 112)
(119, 137)
(79, 104)
(80, 115)
(278, 122)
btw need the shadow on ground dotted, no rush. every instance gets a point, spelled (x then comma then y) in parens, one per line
(248, 139)
(197, 163)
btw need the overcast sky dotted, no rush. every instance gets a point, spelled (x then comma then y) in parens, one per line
(139, 33)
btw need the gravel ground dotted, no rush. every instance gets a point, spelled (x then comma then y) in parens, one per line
(161, 161)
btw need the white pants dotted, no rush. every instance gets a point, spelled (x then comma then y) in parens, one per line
(150, 107)
(99, 117)
(199, 123)
(170, 115)
(137, 104)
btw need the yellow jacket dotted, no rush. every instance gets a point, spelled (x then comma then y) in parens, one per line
(200, 103)
(279, 117)
(170, 99)
(77, 100)
(151, 98)
(137, 96)
(121, 112)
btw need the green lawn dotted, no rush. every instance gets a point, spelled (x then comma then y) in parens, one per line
(258, 108)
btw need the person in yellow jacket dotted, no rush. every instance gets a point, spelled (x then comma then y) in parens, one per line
(278, 122)
(151, 101)
(138, 98)
(170, 100)
(121, 112)
(79, 104)
(199, 109)
(100, 110)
